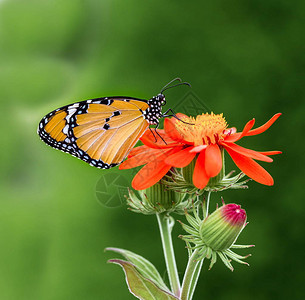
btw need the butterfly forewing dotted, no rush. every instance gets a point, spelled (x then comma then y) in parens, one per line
(117, 148)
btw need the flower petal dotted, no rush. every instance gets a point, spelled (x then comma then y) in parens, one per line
(171, 130)
(200, 178)
(230, 131)
(153, 140)
(213, 160)
(237, 136)
(137, 150)
(270, 152)
(247, 152)
(264, 127)
(180, 159)
(150, 174)
(251, 168)
(143, 157)
(198, 148)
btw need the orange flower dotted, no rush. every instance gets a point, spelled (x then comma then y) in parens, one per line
(203, 141)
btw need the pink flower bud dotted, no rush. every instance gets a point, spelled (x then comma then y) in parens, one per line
(220, 229)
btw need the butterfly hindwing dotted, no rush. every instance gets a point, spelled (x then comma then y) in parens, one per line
(99, 131)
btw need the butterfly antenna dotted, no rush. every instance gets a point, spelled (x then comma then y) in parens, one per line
(181, 83)
(175, 79)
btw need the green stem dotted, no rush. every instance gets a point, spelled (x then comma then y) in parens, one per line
(208, 204)
(195, 279)
(165, 226)
(190, 277)
(193, 268)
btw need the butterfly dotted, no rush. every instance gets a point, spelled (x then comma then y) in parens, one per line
(102, 131)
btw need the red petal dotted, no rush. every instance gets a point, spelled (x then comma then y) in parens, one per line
(270, 152)
(237, 136)
(230, 131)
(150, 174)
(137, 150)
(152, 140)
(200, 178)
(179, 116)
(171, 130)
(247, 152)
(251, 168)
(213, 160)
(180, 159)
(199, 148)
(264, 127)
(145, 156)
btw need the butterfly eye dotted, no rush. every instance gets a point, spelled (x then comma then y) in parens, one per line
(162, 99)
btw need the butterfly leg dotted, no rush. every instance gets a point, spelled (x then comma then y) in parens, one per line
(159, 134)
(166, 113)
(155, 134)
(174, 115)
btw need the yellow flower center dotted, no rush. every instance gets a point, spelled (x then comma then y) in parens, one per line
(207, 128)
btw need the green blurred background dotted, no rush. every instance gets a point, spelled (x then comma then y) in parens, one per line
(244, 58)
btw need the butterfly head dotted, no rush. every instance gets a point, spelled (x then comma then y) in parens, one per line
(156, 102)
(161, 99)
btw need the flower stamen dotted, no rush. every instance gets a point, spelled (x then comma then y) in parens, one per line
(206, 129)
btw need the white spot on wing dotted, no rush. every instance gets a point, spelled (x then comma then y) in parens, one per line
(75, 105)
(65, 129)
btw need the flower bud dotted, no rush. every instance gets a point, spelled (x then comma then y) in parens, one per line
(216, 234)
(220, 230)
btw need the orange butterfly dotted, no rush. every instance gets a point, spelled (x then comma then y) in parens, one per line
(102, 131)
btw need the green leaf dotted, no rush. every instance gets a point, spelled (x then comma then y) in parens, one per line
(139, 286)
(145, 267)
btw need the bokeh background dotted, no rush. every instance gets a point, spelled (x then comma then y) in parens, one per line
(243, 58)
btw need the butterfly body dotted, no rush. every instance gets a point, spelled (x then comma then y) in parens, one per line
(100, 131)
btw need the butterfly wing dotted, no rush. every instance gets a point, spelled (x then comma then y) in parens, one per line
(100, 131)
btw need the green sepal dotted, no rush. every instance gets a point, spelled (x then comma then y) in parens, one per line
(241, 246)
(192, 221)
(225, 260)
(158, 199)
